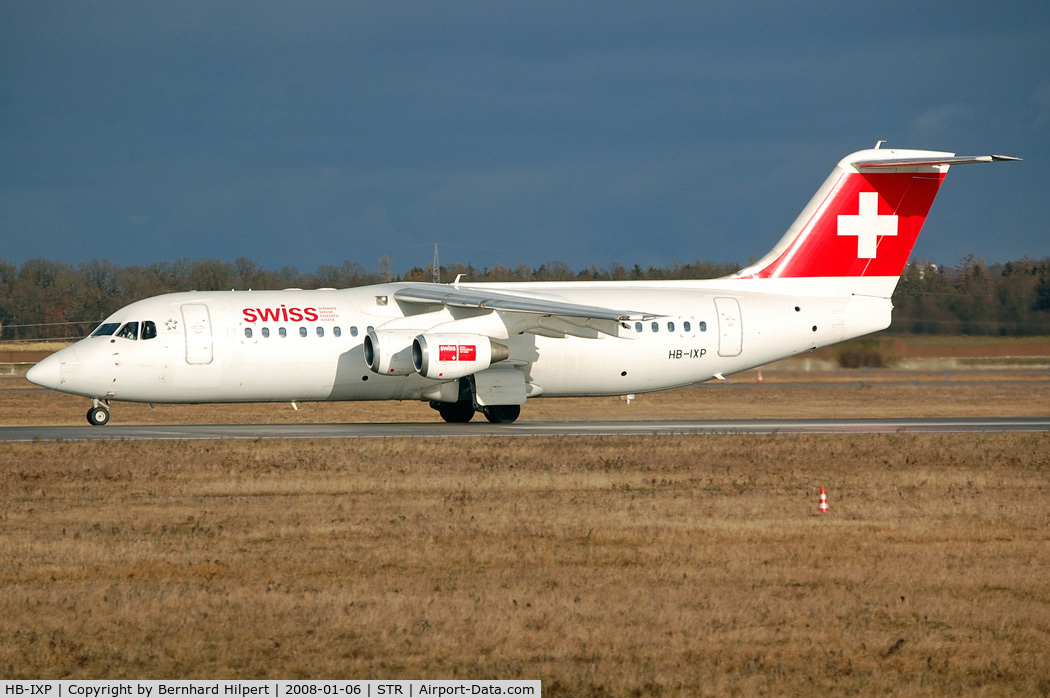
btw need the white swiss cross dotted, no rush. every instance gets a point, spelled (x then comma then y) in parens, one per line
(868, 225)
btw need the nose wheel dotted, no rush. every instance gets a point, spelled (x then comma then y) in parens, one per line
(98, 415)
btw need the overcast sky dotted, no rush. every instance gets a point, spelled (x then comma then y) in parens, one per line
(309, 133)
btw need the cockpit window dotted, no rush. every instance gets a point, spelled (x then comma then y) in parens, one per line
(106, 329)
(130, 330)
(149, 329)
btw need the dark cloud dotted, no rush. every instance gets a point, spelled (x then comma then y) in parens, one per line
(587, 133)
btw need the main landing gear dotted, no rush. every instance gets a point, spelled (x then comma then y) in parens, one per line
(462, 410)
(455, 412)
(502, 414)
(98, 415)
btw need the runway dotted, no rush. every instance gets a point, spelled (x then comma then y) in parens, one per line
(184, 432)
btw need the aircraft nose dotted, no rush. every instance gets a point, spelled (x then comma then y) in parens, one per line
(48, 372)
(45, 372)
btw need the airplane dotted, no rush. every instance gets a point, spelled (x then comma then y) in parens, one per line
(489, 347)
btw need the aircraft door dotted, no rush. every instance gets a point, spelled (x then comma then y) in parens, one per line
(199, 348)
(730, 330)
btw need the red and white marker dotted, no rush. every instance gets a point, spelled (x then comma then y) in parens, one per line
(823, 502)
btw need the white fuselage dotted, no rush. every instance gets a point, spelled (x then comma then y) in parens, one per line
(237, 346)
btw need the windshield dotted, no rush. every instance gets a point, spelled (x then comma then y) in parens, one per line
(105, 329)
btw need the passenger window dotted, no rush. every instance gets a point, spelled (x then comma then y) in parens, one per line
(703, 326)
(248, 332)
(149, 329)
(130, 330)
(637, 327)
(670, 327)
(320, 331)
(302, 331)
(266, 332)
(686, 325)
(283, 332)
(656, 327)
(353, 330)
(106, 329)
(337, 332)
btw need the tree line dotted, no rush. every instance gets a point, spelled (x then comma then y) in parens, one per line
(45, 299)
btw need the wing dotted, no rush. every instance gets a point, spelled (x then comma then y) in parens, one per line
(527, 312)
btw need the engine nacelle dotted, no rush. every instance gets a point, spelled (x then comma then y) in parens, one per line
(389, 352)
(446, 356)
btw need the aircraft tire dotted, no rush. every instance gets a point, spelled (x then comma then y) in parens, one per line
(502, 414)
(98, 416)
(456, 412)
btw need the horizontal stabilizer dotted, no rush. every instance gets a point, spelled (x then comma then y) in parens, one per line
(930, 162)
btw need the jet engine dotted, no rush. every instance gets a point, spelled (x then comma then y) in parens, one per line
(389, 352)
(448, 356)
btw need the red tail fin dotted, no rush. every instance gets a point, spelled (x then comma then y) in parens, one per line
(864, 220)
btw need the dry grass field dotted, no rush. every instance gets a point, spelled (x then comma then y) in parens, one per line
(604, 566)
(651, 566)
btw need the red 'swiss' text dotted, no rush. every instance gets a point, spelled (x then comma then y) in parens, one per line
(281, 314)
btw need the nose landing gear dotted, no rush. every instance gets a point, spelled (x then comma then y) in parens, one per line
(98, 415)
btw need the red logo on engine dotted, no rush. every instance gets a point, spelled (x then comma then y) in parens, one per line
(457, 352)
